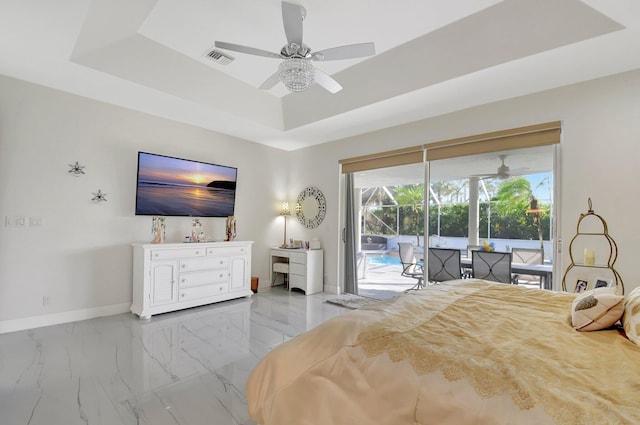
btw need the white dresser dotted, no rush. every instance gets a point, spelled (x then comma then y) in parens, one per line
(174, 276)
(305, 269)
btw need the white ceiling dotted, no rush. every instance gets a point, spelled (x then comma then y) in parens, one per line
(433, 57)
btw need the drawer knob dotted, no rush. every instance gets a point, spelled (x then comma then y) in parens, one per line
(197, 252)
(182, 295)
(184, 280)
(184, 266)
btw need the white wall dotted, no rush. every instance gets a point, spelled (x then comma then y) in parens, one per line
(600, 141)
(78, 263)
(81, 259)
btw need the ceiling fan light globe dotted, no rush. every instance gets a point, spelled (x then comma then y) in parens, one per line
(296, 74)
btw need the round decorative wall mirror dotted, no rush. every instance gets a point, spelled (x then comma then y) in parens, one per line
(311, 207)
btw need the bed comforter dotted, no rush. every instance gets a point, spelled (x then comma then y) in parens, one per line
(462, 352)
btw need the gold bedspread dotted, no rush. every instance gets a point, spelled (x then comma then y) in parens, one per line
(464, 352)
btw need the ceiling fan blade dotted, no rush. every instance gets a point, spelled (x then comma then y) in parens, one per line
(270, 82)
(349, 51)
(248, 50)
(292, 15)
(518, 171)
(325, 81)
(484, 176)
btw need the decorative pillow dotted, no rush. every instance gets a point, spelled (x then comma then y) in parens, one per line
(631, 318)
(596, 309)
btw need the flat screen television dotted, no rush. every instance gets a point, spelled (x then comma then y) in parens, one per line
(168, 186)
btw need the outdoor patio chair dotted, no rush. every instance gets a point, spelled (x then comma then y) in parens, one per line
(468, 272)
(527, 256)
(410, 266)
(491, 265)
(444, 264)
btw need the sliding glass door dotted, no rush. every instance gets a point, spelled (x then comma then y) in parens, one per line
(388, 209)
(496, 201)
(500, 200)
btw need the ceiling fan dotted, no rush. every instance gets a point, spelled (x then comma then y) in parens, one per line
(503, 172)
(296, 71)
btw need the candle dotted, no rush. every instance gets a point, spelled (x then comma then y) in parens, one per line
(589, 257)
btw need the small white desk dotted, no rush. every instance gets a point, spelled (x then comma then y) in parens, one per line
(305, 268)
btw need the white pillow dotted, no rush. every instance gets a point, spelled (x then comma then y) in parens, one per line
(596, 309)
(631, 318)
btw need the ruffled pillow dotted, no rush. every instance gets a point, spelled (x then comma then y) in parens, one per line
(596, 309)
(631, 317)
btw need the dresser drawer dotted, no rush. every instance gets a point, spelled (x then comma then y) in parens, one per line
(298, 257)
(196, 292)
(203, 278)
(295, 268)
(231, 250)
(163, 254)
(204, 263)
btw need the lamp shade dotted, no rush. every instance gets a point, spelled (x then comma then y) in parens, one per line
(284, 209)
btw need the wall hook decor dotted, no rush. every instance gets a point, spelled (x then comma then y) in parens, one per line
(99, 196)
(76, 169)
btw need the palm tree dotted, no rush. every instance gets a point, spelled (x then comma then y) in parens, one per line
(412, 196)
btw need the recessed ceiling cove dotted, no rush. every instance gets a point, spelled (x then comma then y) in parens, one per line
(432, 57)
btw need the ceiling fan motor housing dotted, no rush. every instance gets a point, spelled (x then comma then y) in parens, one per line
(294, 50)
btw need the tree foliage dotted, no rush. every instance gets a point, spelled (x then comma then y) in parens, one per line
(505, 217)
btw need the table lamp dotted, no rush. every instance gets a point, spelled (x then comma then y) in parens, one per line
(285, 212)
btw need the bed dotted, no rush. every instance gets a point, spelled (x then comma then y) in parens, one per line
(462, 352)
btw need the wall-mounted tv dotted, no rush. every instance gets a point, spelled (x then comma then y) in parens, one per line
(168, 186)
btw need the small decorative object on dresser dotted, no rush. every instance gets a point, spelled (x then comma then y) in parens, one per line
(158, 229)
(231, 228)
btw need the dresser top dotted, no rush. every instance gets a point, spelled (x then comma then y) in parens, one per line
(178, 245)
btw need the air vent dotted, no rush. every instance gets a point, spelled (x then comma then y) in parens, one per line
(219, 57)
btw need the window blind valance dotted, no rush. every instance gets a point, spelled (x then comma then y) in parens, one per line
(412, 155)
(515, 138)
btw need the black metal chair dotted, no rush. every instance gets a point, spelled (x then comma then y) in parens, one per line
(491, 265)
(410, 266)
(444, 264)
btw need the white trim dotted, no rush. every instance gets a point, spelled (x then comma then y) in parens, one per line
(64, 317)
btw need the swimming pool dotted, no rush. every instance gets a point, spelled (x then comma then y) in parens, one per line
(385, 259)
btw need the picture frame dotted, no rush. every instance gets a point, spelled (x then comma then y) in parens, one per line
(602, 283)
(581, 285)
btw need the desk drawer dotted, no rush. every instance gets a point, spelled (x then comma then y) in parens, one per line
(203, 291)
(204, 263)
(203, 278)
(295, 268)
(297, 281)
(298, 257)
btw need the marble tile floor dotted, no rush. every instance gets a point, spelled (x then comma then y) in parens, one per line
(181, 368)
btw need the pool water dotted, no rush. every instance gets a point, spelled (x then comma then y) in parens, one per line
(387, 260)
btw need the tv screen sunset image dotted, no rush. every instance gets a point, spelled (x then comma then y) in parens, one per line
(178, 187)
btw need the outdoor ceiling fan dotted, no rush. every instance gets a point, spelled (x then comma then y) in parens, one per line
(296, 71)
(503, 172)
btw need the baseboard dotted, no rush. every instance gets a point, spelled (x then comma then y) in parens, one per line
(64, 317)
